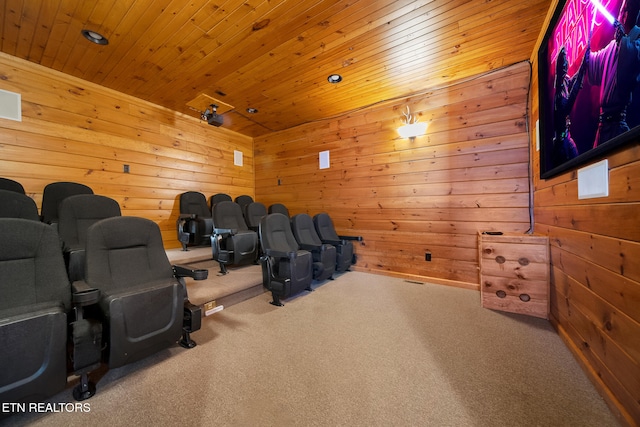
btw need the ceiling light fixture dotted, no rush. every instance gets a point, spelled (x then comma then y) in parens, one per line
(412, 127)
(334, 78)
(252, 110)
(94, 37)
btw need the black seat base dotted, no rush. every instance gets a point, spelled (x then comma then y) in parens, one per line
(186, 341)
(276, 300)
(223, 269)
(85, 389)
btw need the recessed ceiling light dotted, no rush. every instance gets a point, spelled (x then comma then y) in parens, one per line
(94, 37)
(334, 78)
(252, 110)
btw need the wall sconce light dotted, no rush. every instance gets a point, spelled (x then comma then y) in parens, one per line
(412, 127)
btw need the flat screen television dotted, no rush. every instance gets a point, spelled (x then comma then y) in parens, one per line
(588, 71)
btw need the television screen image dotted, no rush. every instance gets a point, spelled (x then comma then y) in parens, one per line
(589, 82)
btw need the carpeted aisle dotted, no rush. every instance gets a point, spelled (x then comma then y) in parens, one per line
(362, 350)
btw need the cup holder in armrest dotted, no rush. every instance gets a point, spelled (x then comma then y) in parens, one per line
(200, 274)
(86, 297)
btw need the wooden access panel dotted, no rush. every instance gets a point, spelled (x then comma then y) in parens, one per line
(514, 273)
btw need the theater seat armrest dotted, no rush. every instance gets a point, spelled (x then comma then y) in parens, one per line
(196, 274)
(332, 242)
(83, 294)
(358, 238)
(225, 231)
(309, 247)
(184, 217)
(280, 254)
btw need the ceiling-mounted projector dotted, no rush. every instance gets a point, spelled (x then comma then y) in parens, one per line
(213, 118)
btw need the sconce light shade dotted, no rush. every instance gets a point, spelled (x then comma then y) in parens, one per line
(412, 130)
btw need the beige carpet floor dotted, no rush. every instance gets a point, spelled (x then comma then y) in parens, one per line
(362, 350)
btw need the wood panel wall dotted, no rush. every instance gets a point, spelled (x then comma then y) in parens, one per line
(72, 130)
(406, 198)
(595, 269)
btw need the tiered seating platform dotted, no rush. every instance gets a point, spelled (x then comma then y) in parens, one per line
(239, 284)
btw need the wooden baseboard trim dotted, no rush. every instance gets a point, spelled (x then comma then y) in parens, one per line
(614, 405)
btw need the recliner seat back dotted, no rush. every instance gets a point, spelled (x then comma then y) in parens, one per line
(192, 202)
(278, 208)
(195, 224)
(11, 185)
(253, 214)
(304, 230)
(232, 241)
(55, 193)
(31, 265)
(324, 255)
(228, 215)
(34, 299)
(219, 197)
(142, 301)
(276, 234)
(124, 253)
(76, 214)
(327, 233)
(243, 201)
(17, 205)
(287, 269)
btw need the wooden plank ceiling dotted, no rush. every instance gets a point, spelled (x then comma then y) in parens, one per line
(272, 55)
